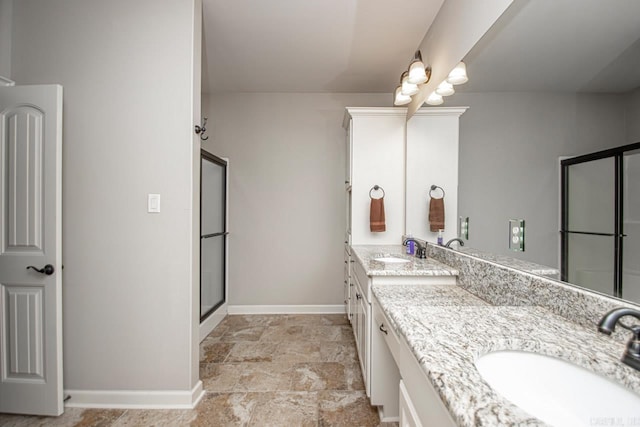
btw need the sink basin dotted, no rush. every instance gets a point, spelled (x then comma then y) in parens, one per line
(556, 391)
(391, 259)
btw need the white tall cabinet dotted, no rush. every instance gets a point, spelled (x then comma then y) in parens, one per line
(432, 159)
(404, 159)
(377, 153)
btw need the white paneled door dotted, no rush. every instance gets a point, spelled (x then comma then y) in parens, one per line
(31, 250)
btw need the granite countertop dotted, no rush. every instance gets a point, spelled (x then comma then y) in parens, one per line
(415, 267)
(446, 343)
(519, 264)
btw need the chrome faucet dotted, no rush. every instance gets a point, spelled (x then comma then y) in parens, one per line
(607, 325)
(455, 239)
(421, 250)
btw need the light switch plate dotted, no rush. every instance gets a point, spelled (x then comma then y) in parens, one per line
(153, 203)
(516, 235)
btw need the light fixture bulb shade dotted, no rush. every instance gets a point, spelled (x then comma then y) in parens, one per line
(408, 89)
(458, 75)
(401, 99)
(434, 99)
(445, 89)
(417, 74)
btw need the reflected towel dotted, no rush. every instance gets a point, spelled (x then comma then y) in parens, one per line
(376, 216)
(436, 214)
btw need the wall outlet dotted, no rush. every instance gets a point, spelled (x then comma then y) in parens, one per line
(516, 235)
(464, 227)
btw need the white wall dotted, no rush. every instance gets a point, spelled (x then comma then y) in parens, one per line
(509, 149)
(126, 68)
(6, 7)
(286, 201)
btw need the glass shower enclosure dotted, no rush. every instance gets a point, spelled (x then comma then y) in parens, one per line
(600, 234)
(213, 233)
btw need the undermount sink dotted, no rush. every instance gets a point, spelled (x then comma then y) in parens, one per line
(391, 259)
(556, 391)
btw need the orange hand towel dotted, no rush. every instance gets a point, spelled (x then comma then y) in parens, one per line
(376, 216)
(436, 214)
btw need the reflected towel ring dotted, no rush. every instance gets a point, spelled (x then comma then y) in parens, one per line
(436, 187)
(376, 188)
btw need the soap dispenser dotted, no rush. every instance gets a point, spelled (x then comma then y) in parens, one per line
(440, 241)
(411, 245)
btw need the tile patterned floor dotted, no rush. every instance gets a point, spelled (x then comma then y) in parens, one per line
(276, 370)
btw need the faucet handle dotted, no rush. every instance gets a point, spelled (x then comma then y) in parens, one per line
(631, 355)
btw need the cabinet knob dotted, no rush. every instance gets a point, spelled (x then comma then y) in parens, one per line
(382, 329)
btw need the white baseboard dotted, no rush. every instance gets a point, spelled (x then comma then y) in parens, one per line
(124, 399)
(212, 321)
(286, 309)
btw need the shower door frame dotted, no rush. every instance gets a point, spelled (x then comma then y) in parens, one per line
(618, 232)
(205, 155)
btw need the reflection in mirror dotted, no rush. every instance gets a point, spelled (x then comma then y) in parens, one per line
(553, 79)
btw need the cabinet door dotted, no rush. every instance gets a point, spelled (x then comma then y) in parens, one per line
(363, 341)
(408, 415)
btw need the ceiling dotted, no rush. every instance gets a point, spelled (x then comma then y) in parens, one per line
(311, 45)
(364, 45)
(559, 45)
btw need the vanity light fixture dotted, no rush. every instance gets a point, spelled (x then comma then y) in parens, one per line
(401, 99)
(458, 75)
(434, 99)
(445, 89)
(408, 89)
(418, 73)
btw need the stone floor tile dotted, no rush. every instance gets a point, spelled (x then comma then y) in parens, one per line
(346, 408)
(247, 333)
(317, 319)
(297, 352)
(225, 409)
(339, 351)
(319, 376)
(353, 376)
(264, 376)
(286, 409)
(217, 377)
(251, 351)
(214, 351)
(72, 417)
(155, 418)
(283, 333)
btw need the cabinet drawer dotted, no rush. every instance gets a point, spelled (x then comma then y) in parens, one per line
(358, 271)
(380, 321)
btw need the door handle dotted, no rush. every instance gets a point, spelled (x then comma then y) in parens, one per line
(47, 269)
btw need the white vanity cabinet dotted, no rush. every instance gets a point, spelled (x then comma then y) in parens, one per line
(379, 371)
(419, 403)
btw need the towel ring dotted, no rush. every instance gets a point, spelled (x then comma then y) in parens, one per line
(376, 188)
(436, 187)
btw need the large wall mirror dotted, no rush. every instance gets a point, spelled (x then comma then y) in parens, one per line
(553, 79)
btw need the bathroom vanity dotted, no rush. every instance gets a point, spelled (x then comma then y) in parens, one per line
(428, 329)
(384, 265)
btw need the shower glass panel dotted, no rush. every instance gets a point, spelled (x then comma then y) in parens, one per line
(590, 224)
(213, 233)
(631, 226)
(600, 233)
